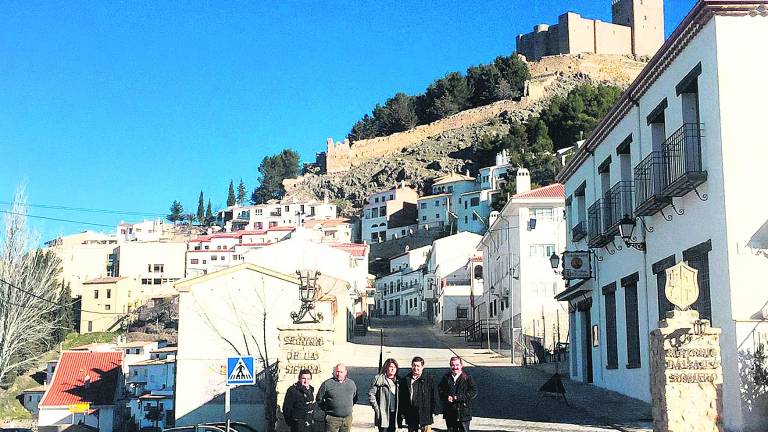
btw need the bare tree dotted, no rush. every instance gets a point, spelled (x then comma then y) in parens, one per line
(29, 290)
(252, 326)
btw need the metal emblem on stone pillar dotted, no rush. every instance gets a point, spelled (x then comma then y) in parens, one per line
(682, 288)
(309, 293)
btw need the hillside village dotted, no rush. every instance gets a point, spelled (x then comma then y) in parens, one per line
(428, 224)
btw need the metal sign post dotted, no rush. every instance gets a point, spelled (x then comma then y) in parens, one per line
(227, 407)
(239, 371)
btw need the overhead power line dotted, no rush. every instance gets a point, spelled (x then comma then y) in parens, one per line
(56, 219)
(87, 210)
(54, 302)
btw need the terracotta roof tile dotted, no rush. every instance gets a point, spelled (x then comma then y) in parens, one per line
(84, 377)
(354, 249)
(555, 190)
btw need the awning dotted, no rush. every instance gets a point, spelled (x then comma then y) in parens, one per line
(573, 291)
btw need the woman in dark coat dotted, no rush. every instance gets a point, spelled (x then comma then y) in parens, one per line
(383, 397)
(299, 403)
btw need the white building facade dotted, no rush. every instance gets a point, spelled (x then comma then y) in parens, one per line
(519, 280)
(400, 292)
(659, 157)
(388, 214)
(287, 213)
(449, 289)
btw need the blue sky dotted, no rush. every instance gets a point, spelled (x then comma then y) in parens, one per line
(128, 105)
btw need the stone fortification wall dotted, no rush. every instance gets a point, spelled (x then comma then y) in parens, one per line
(341, 156)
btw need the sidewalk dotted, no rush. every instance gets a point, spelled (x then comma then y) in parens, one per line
(622, 412)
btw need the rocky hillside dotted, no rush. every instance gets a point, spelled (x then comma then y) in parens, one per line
(448, 151)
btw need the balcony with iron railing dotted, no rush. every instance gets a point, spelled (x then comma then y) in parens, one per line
(673, 171)
(597, 234)
(579, 231)
(682, 160)
(650, 179)
(618, 203)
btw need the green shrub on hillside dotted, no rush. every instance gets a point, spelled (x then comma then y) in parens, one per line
(504, 78)
(532, 144)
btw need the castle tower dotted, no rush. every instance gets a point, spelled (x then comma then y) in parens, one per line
(646, 17)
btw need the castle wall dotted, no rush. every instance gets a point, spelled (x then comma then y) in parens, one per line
(636, 28)
(580, 33)
(612, 38)
(647, 27)
(342, 156)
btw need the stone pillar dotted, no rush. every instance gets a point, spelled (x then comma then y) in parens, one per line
(302, 346)
(686, 375)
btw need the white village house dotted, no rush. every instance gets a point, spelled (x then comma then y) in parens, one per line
(450, 289)
(679, 159)
(518, 276)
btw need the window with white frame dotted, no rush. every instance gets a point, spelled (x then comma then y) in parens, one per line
(542, 213)
(541, 250)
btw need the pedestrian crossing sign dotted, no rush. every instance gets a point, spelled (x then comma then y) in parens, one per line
(240, 370)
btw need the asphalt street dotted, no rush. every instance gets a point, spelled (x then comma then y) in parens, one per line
(508, 399)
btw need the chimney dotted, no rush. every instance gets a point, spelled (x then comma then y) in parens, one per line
(523, 181)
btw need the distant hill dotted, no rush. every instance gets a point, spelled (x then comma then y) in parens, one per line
(453, 144)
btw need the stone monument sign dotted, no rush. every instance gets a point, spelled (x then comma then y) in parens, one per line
(686, 375)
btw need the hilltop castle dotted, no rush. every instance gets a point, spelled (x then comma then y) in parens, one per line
(637, 28)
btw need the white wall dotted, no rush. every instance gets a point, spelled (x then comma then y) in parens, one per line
(731, 99)
(229, 306)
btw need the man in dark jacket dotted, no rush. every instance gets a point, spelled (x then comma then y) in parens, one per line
(299, 403)
(418, 398)
(457, 390)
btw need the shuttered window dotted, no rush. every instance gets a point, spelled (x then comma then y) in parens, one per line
(611, 344)
(632, 320)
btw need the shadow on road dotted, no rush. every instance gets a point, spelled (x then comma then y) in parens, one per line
(505, 393)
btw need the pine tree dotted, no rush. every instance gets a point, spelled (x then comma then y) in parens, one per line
(241, 191)
(231, 195)
(208, 214)
(200, 209)
(177, 212)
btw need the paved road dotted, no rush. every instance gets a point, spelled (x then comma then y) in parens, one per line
(509, 399)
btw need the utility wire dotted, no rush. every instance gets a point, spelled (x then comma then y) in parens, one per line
(55, 302)
(85, 209)
(56, 219)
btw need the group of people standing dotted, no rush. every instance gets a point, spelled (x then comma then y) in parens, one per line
(410, 401)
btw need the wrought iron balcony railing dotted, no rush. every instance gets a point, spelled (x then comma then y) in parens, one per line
(619, 204)
(682, 160)
(650, 180)
(579, 231)
(597, 234)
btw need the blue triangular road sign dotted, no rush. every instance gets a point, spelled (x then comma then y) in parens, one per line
(240, 370)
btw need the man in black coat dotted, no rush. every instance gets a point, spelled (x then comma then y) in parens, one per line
(299, 403)
(418, 398)
(457, 390)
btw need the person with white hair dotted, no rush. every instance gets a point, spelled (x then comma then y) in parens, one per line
(336, 397)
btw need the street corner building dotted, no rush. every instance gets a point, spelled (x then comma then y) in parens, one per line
(241, 310)
(672, 173)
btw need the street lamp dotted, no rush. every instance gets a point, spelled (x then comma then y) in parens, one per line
(554, 261)
(626, 229)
